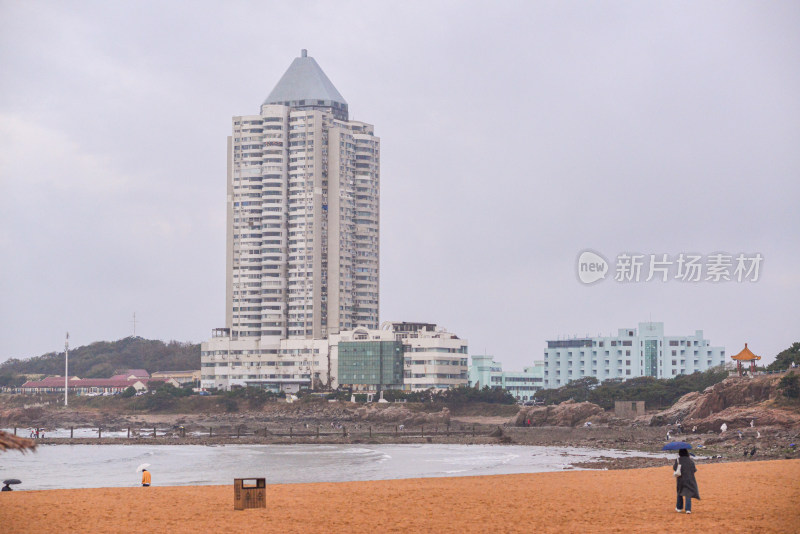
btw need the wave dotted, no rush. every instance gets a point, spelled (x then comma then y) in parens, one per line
(325, 450)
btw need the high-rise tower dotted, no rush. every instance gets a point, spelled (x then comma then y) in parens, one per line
(303, 214)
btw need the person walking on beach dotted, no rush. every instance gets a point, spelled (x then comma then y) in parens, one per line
(145, 478)
(686, 484)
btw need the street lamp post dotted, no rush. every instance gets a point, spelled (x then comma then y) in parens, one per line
(66, 369)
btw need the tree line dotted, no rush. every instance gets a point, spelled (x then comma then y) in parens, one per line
(786, 358)
(656, 393)
(102, 358)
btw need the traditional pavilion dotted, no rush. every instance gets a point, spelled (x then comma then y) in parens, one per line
(745, 356)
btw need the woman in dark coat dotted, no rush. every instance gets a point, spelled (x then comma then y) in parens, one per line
(687, 485)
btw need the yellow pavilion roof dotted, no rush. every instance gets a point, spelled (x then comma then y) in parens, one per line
(745, 355)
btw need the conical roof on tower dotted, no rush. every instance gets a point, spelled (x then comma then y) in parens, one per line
(305, 84)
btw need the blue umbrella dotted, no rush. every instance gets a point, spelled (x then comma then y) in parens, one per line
(676, 445)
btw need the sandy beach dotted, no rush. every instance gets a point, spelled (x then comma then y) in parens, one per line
(736, 497)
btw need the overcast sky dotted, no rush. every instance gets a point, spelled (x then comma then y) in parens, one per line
(514, 136)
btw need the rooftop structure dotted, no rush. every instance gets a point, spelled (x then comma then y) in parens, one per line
(133, 373)
(305, 86)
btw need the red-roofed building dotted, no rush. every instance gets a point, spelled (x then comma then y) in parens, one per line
(132, 373)
(89, 386)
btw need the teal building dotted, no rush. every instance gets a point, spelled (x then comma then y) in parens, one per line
(371, 365)
(523, 385)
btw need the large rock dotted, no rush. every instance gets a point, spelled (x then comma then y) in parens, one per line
(677, 412)
(738, 417)
(735, 401)
(568, 413)
(733, 392)
(396, 413)
(22, 416)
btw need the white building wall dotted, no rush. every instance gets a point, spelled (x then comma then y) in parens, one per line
(524, 385)
(625, 355)
(273, 363)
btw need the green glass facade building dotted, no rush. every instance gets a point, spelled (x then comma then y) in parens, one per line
(375, 364)
(651, 357)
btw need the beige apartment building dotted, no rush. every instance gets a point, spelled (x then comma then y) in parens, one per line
(302, 243)
(303, 213)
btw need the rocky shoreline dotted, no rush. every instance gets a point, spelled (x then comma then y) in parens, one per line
(759, 424)
(709, 448)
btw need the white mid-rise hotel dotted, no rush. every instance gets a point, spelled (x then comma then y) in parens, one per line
(302, 238)
(434, 357)
(633, 352)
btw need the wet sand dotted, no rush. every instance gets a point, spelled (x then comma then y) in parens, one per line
(736, 497)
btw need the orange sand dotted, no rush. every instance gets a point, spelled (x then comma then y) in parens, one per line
(737, 497)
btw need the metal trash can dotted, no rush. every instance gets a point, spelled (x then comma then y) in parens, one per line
(249, 493)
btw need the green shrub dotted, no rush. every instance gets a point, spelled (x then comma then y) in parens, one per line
(655, 392)
(790, 385)
(340, 395)
(786, 358)
(9, 379)
(168, 390)
(231, 406)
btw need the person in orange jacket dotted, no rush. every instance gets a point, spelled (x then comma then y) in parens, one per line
(145, 477)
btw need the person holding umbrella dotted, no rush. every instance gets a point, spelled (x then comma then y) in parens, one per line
(8, 483)
(684, 470)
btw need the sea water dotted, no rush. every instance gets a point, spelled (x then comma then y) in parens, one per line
(92, 466)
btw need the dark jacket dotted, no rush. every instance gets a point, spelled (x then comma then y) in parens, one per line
(687, 485)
